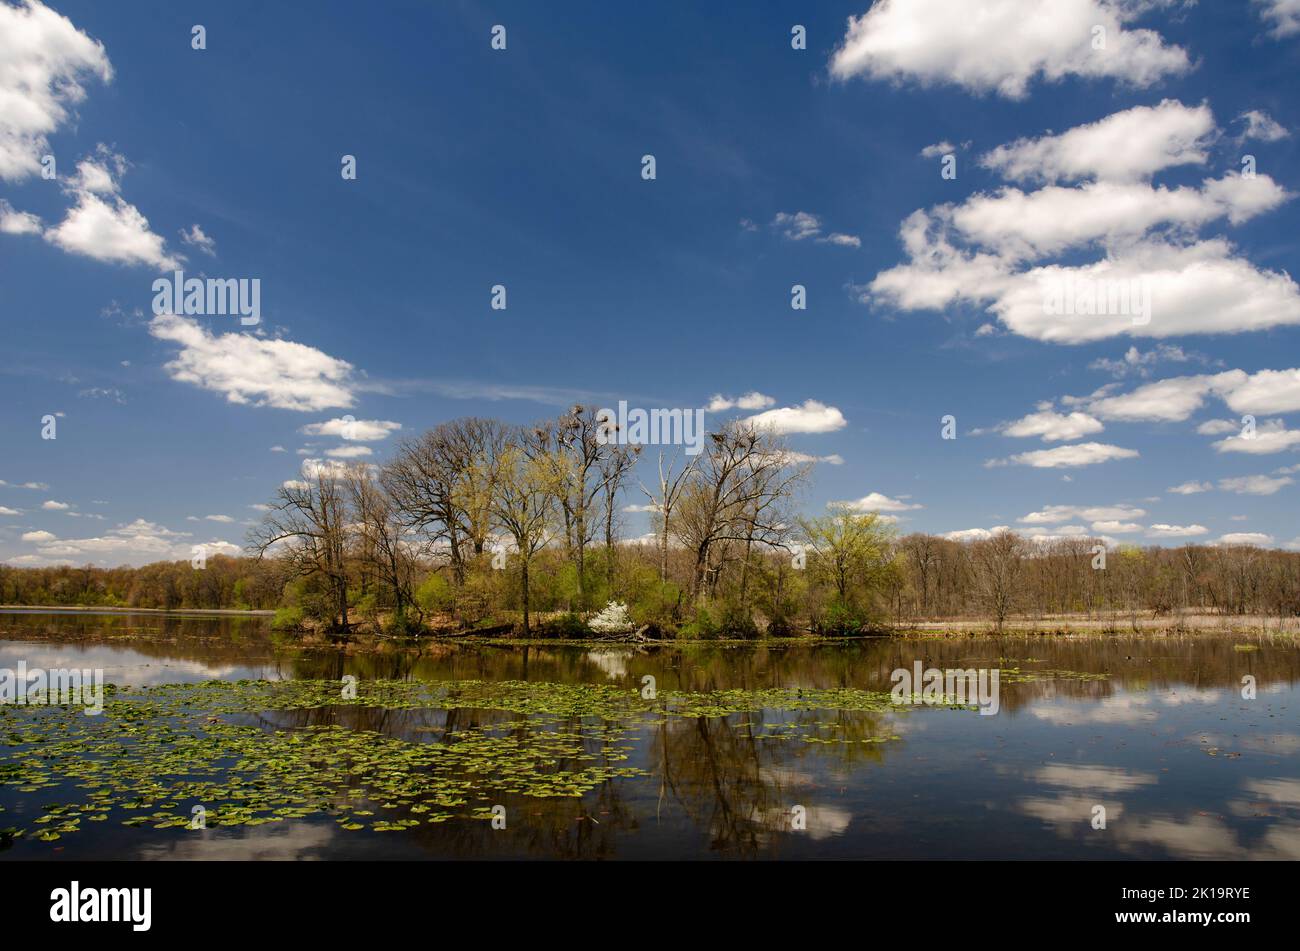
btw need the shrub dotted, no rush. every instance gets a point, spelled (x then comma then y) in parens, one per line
(287, 619)
(435, 594)
(567, 626)
(736, 622)
(702, 626)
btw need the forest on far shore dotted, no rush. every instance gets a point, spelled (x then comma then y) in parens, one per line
(478, 526)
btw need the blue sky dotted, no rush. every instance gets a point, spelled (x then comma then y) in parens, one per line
(774, 167)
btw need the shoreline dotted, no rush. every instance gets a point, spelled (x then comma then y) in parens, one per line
(91, 609)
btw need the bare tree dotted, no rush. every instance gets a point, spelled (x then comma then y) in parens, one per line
(308, 520)
(736, 494)
(663, 501)
(380, 534)
(998, 564)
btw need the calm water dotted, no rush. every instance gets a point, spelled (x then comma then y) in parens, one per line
(1183, 764)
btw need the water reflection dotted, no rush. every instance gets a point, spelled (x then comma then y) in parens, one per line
(1156, 730)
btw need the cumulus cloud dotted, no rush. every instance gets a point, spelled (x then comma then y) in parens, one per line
(877, 502)
(1003, 45)
(1053, 514)
(251, 370)
(1175, 399)
(17, 222)
(102, 225)
(1255, 485)
(1162, 530)
(810, 417)
(1282, 16)
(349, 452)
(1125, 146)
(1156, 277)
(353, 430)
(50, 505)
(1052, 426)
(134, 543)
(44, 61)
(1269, 437)
(1191, 488)
(751, 400)
(1079, 454)
(1246, 538)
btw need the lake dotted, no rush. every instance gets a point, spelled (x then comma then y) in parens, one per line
(226, 741)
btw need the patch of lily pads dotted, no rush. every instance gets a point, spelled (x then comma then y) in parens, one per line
(255, 752)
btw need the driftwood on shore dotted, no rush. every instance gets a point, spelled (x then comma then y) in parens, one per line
(621, 637)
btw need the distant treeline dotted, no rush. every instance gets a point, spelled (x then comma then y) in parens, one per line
(481, 525)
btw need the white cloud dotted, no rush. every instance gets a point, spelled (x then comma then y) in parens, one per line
(251, 370)
(1002, 45)
(1053, 427)
(1191, 488)
(1282, 16)
(104, 226)
(939, 148)
(1125, 146)
(17, 222)
(803, 224)
(134, 543)
(1054, 219)
(1116, 528)
(1136, 362)
(44, 60)
(751, 400)
(1260, 126)
(313, 469)
(1255, 485)
(353, 430)
(975, 534)
(196, 238)
(218, 518)
(1161, 530)
(38, 486)
(797, 226)
(50, 505)
(38, 536)
(1246, 538)
(349, 452)
(1053, 514)
(1079, 454)
(1196, 288)
(1170, 400)
(1217, 427)
(6, 510)
(834, 459)
(811, 417)
(991, 249)
(1270, 436)
(876, 502)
